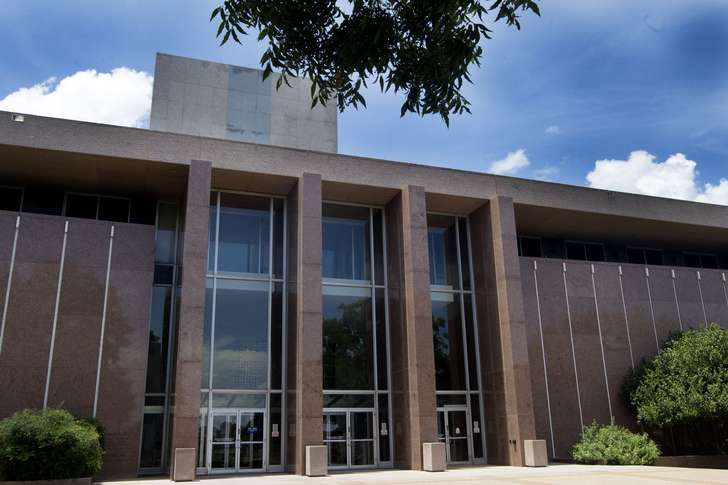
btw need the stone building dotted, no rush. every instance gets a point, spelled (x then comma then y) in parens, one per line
(225, 289)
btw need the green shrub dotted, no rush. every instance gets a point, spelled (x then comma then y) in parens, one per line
(47, 445)
(686, 382)
(96, 423)
(614, 445)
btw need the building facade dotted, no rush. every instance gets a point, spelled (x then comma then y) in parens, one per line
(221, 304)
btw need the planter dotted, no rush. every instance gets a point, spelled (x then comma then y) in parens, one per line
(694, 461)
(65, 481)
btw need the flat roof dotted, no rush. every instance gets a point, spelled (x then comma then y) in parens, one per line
(342, 173)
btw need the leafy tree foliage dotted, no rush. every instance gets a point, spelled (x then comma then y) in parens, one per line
(424, 48)
(48, 445)
(685, 382)
(614, 445)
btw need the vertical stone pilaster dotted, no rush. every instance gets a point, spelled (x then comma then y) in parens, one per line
(191, 317)
(305, 326)
(413, 367)
(502, 333)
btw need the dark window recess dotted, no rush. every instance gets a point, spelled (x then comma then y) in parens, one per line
(83, 206)
(635, 256)
(653, 257)
(163, 274)
(43, 201)
(691, 260)
(143, 212)
(709, 261)
(531, 247)
(575, 250)
(671, 258)
(552, 248)
(10, 198)
(615, 253)
(594, 252)
(113, 209)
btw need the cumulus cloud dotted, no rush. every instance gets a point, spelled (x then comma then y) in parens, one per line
(513, 162)
(642, 174)
(120, 97)
(553, 130)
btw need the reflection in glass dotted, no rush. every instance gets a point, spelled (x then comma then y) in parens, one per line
(276, 333)
(384, 428)
(337, 453)
(158, 339)
(448, 342)
(382, 367)
(464, 252)
(234, 400)
(348, 400)
(457, 425)
(244, 234)
(378, 220)
(278, 238)
(347, 338)
(202, 437)
(477, 427)
(152, 437)
(442, 248)
(362, 453)
(334, 426)
(471, 338)
(206, 335)
(274, 430)
(240, 359)
(212, 233)
(345, 242)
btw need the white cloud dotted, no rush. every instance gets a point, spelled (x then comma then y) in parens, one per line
(513, 162)
(553, 130)
(641, 174)
(120, 97)
(546, 173)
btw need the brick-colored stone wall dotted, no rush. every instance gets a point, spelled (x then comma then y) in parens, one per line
(616, 315)
(28, 328)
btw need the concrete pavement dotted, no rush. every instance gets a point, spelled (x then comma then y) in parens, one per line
(554, 474)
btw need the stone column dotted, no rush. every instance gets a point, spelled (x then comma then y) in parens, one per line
(413, 361)
(305, 326)
(191, 317)
(502, 332)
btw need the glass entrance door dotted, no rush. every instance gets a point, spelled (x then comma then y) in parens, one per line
(349, 437)
(453, 429)
(237, 441)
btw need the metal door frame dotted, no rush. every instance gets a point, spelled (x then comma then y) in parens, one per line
(462, 408)
(237, 412)
(349, 440)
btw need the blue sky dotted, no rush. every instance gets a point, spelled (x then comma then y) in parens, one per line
(608, 77)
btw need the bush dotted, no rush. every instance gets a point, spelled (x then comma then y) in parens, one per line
(47, 445)
(686, 382)
(614, 445)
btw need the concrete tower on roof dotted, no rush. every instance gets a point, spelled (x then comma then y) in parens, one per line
(195, 97)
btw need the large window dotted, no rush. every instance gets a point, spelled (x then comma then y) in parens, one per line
(355, 330)
(243, 336)
(154, 454)
(455, 341)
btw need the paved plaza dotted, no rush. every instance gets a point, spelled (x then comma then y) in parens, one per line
(554, 474)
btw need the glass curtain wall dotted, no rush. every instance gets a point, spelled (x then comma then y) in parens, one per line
(243, 340)
(457, 368)
(154, 457)
(357, 408)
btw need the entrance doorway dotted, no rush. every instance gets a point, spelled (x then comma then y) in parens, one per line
(237, 441)
(453, 429)
(349, 437)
